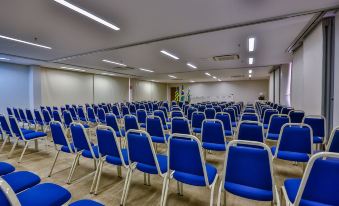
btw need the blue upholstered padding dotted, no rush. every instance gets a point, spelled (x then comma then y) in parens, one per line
(34, 135)
(291, 156)
(190, 112)
(125, 110)
(232, 114)
(162, 116)
(197, 119)
(210, 113)
(56, 116)
(130, 123)
(91, 114)
(248, 173)
(102, 115)
(6, 168)
(79, 138)
(14, 126)
(66, 148)
(275, 126)
(201, 108)
(4, 125)
(81, 114)
(141, 116)
(196, 130)
(73, 113)
(29, 116)
(21, 180)
(9, 111)
(296, 139)
(67, 118)
(46, 115)
(213, 136)
(180, 126)
(116, 160)
(115, 111)
(318, 128)
(58, 135)
(250, 132)
(38, 117)
(86, 202)
(334, 147)
(267, 116)
(155, 131)
(321, 187)
(296, 116)
(249, 117)
(132, 109)
(177, 114)
(111, 121)
(16, 114)
(185, 160)
(53, 195)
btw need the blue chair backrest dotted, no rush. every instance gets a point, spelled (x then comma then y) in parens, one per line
(79, 137)
(333, 143)
(190, 111)
(16, 114)
(154, 126)
(197, 119)
(162, 116)
(5, 125)
(249, 110)
(22, 115)
(185, 154)
(105, 107)
(115, 110)
(73, 113)
(131, 122)
(81, 113)
(142, 106)
(176, 114)
(201, 108)
(57, 116)
(9, 111)
(155, 106)
(38, 117)
(107, 142)
(95, 107)
(14, 126)
(317, 124)
(217, 109)
(46, 115)
(225, 119)
(91, 113)
(212, 132)
(58, 134)
(101, 115)
(68, 120)
(164, 111)
(49, 109)
(296, 116)
(286, 110)
(125, 110)
(296, 138)
(132, 109)
(254, 160)
(277, 122)
(268, 114)
(141, 116)
(29, 115)
(232, 114)
(180, 125)
(111, 121)
(249, 117)
(251, 131)
(210, 113)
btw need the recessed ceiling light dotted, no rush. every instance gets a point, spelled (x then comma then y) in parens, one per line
(109, 74)
(214, 77)
(174, 77)
(192, 65)
(192, 81)
(208, 74)
(251, 44)
(2, 58)
(250, 71)
(250, 75)
(86, 13)
(250, 60)
(25, 42)
(146, 70)
(73, 69)
(169, 54)
(219, 80)
(112, 62)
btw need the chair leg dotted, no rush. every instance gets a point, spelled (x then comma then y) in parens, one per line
(74, 165)
(178, 188)
(95, 178)
(23, 152)
(164, 190)
(149, 179)
(212, 195)
(55, 159)
(119, 171)
(145, 179)
(12, 150)
(219, 195)
(181, 189)
(3, 144)
(126, 187)
(99, 177)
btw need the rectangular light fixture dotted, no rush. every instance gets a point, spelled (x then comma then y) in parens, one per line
(208, 74)
(250, 71)
(174, 77)
(214, 77)
(24, 42)
(2, 58)
(112, 62)
(251, 44)
(109, 74)
(86, 13)
(73, 69)
(192, 81)
(169, 54)
(250, 75)
(250, 60)
(191, 65)
(146, 70)
(219, 80)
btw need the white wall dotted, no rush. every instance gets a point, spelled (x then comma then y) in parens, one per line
(285, 78)
(247, 91)
(145, 90)
(297, 85)
(277, 86)
(110, 89)
(336, 75)
(271, 88)
(14, 86)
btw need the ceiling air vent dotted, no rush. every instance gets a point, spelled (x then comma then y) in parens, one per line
(123, 68)
(226, 57)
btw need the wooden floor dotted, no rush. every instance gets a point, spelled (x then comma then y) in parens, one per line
(111, 186)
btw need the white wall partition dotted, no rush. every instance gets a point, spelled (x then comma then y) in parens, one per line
(271, 87)
(336, 74)
(110, 89)
(145, 90)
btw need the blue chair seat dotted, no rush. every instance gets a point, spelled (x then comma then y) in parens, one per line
(249, 192)
(197, 130)
(6, 168)
(143, 125)
(87, 153)
(86, 203)
(292, 186)
(21, 180)
(265, 126)
(26, 131)
(83, 119)
(317, 140)
(167, 126)
(214, 146)
(116, 160)
(157, 139)
(228, 133)
(66, 149)
(86, 126)
(234, 124)
(120, 133)
(196, 180)
(150, 169)
(34, 135)
(291, 156)
(273, 136)
(46, 194)
(92, 120)
(119, 116)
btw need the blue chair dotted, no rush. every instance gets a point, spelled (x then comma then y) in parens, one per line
(318, 125)
(21, 136)
(125, 111)
(249, 117)
(130, 122)
(295, 143)
(83, 147)
(101, 116)
(319, 184)
(47, 118)
(141, 117)
(165, 104)
(267, 116)
(248, 172)
(132, 109)
(86, 202)
(16, 114)
(56, 116)
(165, 111)
(112, 122)
(212, 135)
(277, 121)
(49, 109)
(91, 115)
(6, 168)
(210, 113)
(155, 129)
(23, 118)
(38, 120)
(9, 111)
(333, 142)
(176, 114)
(180, 125)
(296, 116)
(109, 151)
(162, 116)
(116, 112)
(30, 119)
(196, 123)
(286, 110)
(250, 131)
(226, 121)
(217, 109)
(249, 110)
(233, 115)
(142, 157)
(61, 142)
(187, 165)
(201, 108)
(82, 114)
(73, 112)
(190, 111)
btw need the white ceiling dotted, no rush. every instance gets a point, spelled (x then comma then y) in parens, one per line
(70, 33)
